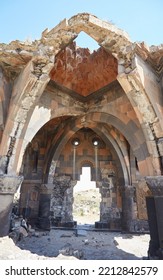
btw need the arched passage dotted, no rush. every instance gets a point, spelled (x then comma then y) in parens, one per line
(105, 170)
(121, 137)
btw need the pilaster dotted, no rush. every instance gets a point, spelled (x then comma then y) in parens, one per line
(127, 208)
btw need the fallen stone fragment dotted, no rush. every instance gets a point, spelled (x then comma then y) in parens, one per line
(23, 231)
(115, 242)
(68, 250)
(86, 242)
(78, 254)
(37, 234)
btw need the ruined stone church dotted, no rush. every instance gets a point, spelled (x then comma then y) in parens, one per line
(63, 108)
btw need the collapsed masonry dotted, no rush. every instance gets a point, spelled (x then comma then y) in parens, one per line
(63, 108)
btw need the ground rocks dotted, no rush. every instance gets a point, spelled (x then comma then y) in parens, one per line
(68, 250)
(97, 246)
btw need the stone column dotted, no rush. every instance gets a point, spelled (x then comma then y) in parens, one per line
(8, 187)
(155, 216)
(62, 201)
(127, 208)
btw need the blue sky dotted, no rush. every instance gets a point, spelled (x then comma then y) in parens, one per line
(21, 20)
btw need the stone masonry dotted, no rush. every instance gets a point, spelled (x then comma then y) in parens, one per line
(58, 101)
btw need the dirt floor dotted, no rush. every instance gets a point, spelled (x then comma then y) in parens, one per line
(81, 244)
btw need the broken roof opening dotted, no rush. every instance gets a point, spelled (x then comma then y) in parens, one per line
(85, 41)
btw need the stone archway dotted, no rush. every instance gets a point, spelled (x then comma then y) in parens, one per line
(104, 172)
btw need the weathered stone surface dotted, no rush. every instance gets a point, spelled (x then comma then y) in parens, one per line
(68, 250)
(3, 165)
(155, 184)
(61, 200)
(8, 186)
(82, 71)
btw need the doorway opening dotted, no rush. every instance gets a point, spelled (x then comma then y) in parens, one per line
(87, 198)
